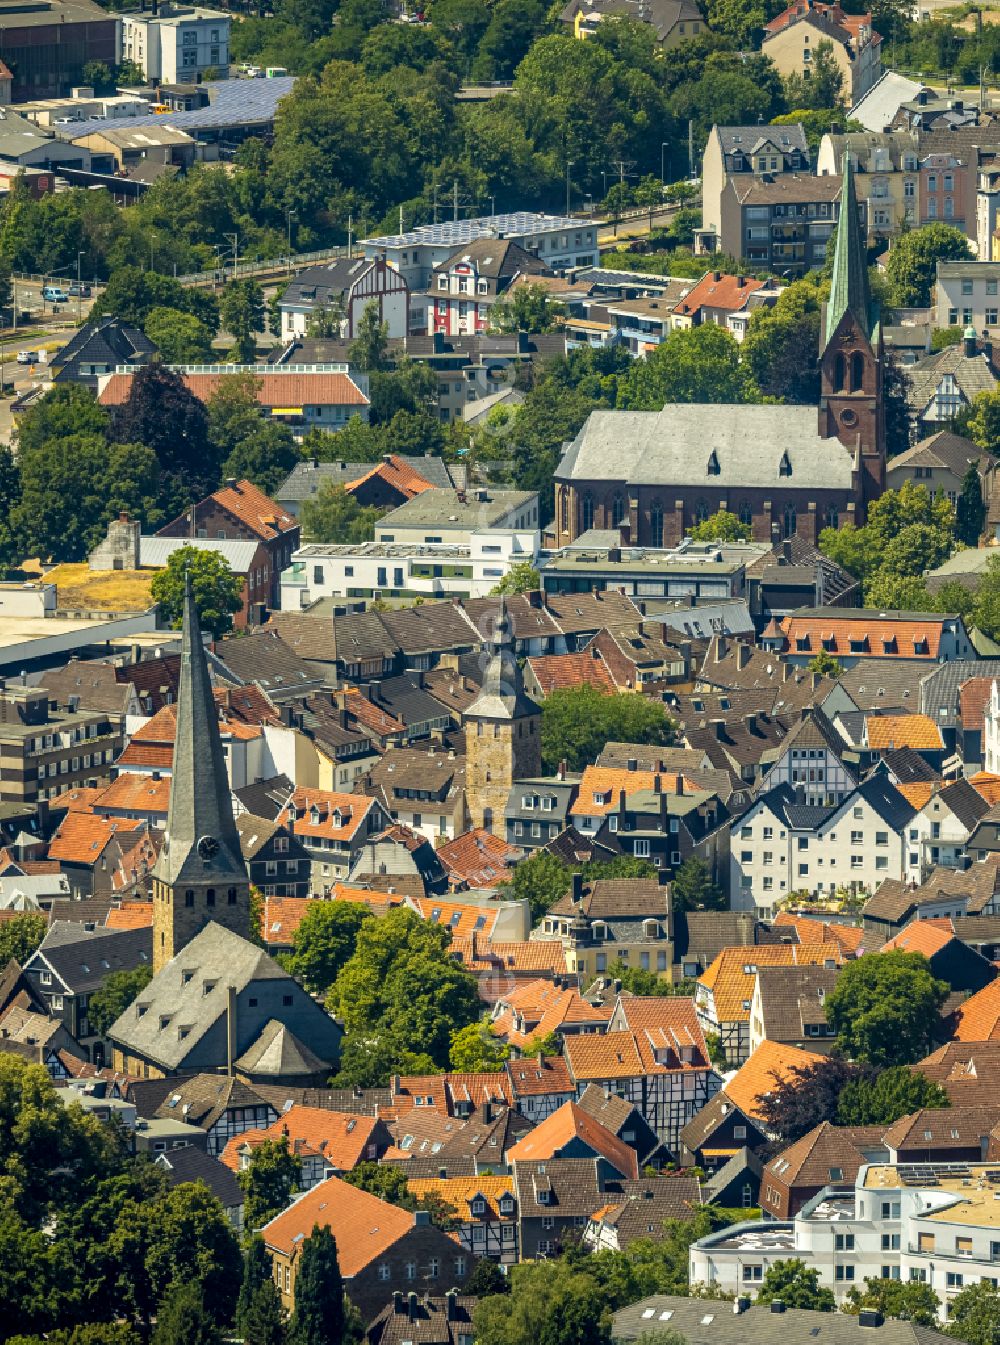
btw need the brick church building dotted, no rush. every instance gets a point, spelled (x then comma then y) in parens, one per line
(782, 469)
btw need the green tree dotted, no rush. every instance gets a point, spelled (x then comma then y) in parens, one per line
(475, 1051)
(796, 1285)
(722, 526)
(526, 308)
(487, 1278)
(132, 293)
(268, 1182)
(943, 337)
(326, 323)
(241, 313)
(370, 1056)
(10, 497)
(218, 593)
(385, 1180)
(892, 1093)
(114, 995)
(163, 414)
(692, 888)
(181, 338)
(883, 1008)
(697, 364)
(974, 1314)
(825, 86)
(332, 515)
(541, 880)
(369, 349)
(265, 1322)
(402, 982)
(985, 613)
(578, 721)
(319, 1293)
(520, 578)
(983, 422)
(20, 936)
(257, 1270)
(970, 512)
(324, 942)
(913, 259)
(782, 342)
(908, 1300)
(639, 982)
(550, 1303)
(183, 1319)
(249, 447)
(72, 487)
(824, 664)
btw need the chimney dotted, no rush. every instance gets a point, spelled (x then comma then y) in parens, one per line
(577, 889)
(230, 1029)
(776, 1305)
(678, 783)
(657, 784)
(751, 723)
(786, 671)
(721, 648)
(868, 1317)
(535, 598)
(421, 1219)
(561, 770)
(451, 1300)
(397, 1300)
(740, 1305)
(411, 1299)
(743, 652)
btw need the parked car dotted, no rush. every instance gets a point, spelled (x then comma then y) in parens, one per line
(28, 357)
(80, 291)
(55, 294)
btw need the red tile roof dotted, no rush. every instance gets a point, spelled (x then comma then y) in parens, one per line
(541, 1076)
(978, 1019)
(726, 292)
(554, 672)
(886, 732)
(395, 473)
(135, 793)
(764, 1072)
(478, 858)
(82, 837)
(130, 915)
(606, 783)
(920, 936)
(850, 937)
(557, 1133)
(342, 1138)
(973, 698)
(903, 637)
(258, 511)
(364, 1226)
(533, 1009)
(322, 813)
(273, 390)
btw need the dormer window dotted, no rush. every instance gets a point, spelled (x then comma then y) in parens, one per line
(478, 1207)
(599, 929)
(785, 465)
(713, 464)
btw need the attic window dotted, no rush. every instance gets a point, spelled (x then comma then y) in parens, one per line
(785, 465)
(713, 464)
(836, 1174)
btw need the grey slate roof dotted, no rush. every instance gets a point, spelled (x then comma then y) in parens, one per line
(973, 374)
(878, 107)
(94, 682)
(883, 683)
(707, 1323)
(673, 447)
(194, 1165)
(155, 552)
(943, 449)
(108, 341)
(939, 689)
(747, 138)
(200, 805)
(278, 1053)
(219, 956)
(82, 958)
(305, 478)
(266, 798)
(263, 657)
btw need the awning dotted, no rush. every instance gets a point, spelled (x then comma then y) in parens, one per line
(719, 1153)
(286, 410)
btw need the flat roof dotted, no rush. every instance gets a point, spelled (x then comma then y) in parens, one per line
(969, 1192)
(18, 14)
(331, 551)
(444, 509)
(234, 102)
(453, 233)
(644, 562)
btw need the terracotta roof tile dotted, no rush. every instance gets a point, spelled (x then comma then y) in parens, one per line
(397, 473)
(458, 1194)
(918, 794)
(536, 955)
(364, 1226)
(79, 800)
(540, 1076)
(282, 917)
(535, 1009)
(978, 1019)
(255, 509)
(81, 837)
(891, 731)
(629, 1054)
(569, 1123)
(478, 858)
(133, 792)
(920, 936)
(973, 698)
(730, 978)
(319, 389)
(462, 918)
(767, 1068)
(321, 813)
(601, 786)
(908, 637)
(987, 786)
(130, 915)
(148, 756)
(555, 672)
(850, 937)
(367, 896)
(814, 1159)
(726, 292)
(341, 1138)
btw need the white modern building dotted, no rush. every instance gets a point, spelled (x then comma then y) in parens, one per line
(991, 730)
(404, 570)
(935, 1224)
(783, 845)
(455, 516)
(178, 43)
(560, 241)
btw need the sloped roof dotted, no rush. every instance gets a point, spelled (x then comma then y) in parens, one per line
(341, 1138)
(764, 1072)
(278, 1053)
(913, 730)
(364, 1226)
(978, 1019)
(826, 1151)
(731, 976)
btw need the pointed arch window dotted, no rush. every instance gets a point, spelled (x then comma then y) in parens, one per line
(832, 516)
(789, 520)
(746, 512)
(564, 510)
(839, 373)
(857, 371)
(785, 465)
(656, 524)
(701, 511)
(617, 510)
(713, 464)
(587, 512)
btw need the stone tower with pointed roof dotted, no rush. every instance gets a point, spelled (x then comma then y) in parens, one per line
(200, 875)
(503, 741)
(852, 364)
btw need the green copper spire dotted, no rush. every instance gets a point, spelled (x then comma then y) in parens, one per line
(849, 285)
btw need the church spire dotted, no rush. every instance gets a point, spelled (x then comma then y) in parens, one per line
(849, 290)
(202, 844)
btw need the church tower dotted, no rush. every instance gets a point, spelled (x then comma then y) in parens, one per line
(200, 874)
(503, 740)
(852, 365)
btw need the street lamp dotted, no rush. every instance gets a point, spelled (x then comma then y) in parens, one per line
(569, 165)
(289, 216)
(234, 238)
